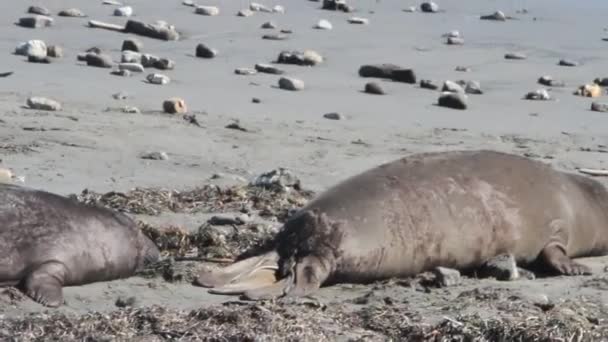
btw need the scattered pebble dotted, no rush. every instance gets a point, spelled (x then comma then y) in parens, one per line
(515, 55)
(269, 25)
(333, 116)
(203, 51)
(132, 44)
(245, 13)
(154, 156)
(256, 100)
(323, 25)
(256, 7)
(159, 79)
(32, 48)
(601, 81)
(275, 36)
(123, 73)
(568, 63)
(71, 12)
(36, 21)
(452, 34)
(472, 87)
(132, 67)
(461, 68)
(157, 30)
(455, 41)
(497, 16)
(429, 7)
(225, 220)
(129, 56)
(336, 5)
(39, 10)
(54, 51)
(123, 302)
(550, 82)
(99, 60)
(278, 9)
(280, 177)
(189, 3)
(454, 100)
(163, 64)
(410, 9)
(589, 90)
(175, 105)
(390, 71)
(374, 88)
(237, 126)
(501, 267)
(358, 20)
(539, 94)
(43, 103)
(429, 84)
(120, 96)
(599, 107)
(130, 110)
(207, 10)
(268, 69)
(111, 2)
(308, 57)
(446, 277)
(125, 11)
(453, 87)
(289, 83)
(6, 176)
(245, 71)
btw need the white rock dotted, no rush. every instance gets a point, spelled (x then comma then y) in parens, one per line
(289, 83)
(133, 67)
(278, 9)
(126, 11)
(6, 176)
(188, 3)
(158, 79)
(32, 48)
(323, 25)
(111, 2)
(245, 13)
(130, 57)
(130, 110)
(207, 10)
(43, 103)
(358, 20)
(254, 6)
(313, 57)
(410, 9)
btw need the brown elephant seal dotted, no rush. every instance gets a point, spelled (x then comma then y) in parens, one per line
(454, 209)
(48, 241)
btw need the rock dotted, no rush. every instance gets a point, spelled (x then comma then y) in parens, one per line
(333, 116)
(254, 6)
(308, 57)
(158, 30)
(599, 107)
(207, 10)
(275, 36)
(39, 10)
(515, 55)
(43, 103)
(403, 75)
(132, 44)
(159, 79)
(36, 21)
(454, 100)
(429, 84)
(358, 20)
(148, 60)
(111, 2)
(94, 49)
(269, 69)
(129, 56)
(6, 176)
(99, 60)
(323, 25)
(568, 63)
(54, 51)
(71, 12)
(452, 87)
(601, 81)
(550, 82)
(446, 276)
(429, 7)
(245, 71)
(378, 70)
(473, 87)
(452, 34)
(278, 9)
(175, 105)
(286, 31)
(203, 51)
(123, 302)
(374, 88)
(256, 100)
(189, 3)
(224, 220)
(123, 73)
(281, 177)
(292, 84)
(455, 41)
(245, 13)
(461, 68)
(130, 110)
(498, 16)
(32, 48)
(125, 11)
(120, 96)
(540, 94)
(154, 156)
(501, 267)
(132, 67)
(589, 90)
(38, 59)
(269, 25)
(164, 64)
(410, 9)
(336, 5)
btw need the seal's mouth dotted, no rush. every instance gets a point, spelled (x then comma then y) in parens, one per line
(254, 278)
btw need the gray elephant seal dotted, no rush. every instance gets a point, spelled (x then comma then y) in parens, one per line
(453, 209)
(48, 241)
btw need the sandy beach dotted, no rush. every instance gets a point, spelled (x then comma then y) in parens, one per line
(92, 144)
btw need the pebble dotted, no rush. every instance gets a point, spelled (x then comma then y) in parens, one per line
(601, 81)
(38, 59)
(336, 5)
(404, 75)
(154, 155)
(256, 100)
(599, 107)
(410, 9)
(324, 25)
(280, 177)
(540, 94)
(164, 64)
(461, 68)
(125, 11)
(589, 90)
(454, 100)
(120, 96)
(268, 69)
(123, 73)
(498, 16)
(429, 84)
(472, 87)
(278, 9)
(130, 110)
(129, 56)
(132, 44)
(568, 62)
(308, 57)
(452, 34)
(207, 10)
(452, 87)
(333, 116)
(123, 302)
(275, 36)
(99, 60)
(188, 3)
(159, 79)
(6, 176)
(446, 276)
(111, 2)
(43, 103)
(245, 13)
(32, 48)
(175, 105)
(289, 83)
(374, 88)
(157, 30)
(39, 10)
(515, 55)
(132, 67)
(502, 267)
(36, 21)
(390, 71)
(203, 51)
(224, 220)
(429, 7)
(245, 71)
(256, 7)
(455, 41)
(71, 12)
(358, 20)
(54, 51)
(550, 82)
(269, 25)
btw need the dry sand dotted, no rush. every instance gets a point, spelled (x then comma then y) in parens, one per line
(91, 144)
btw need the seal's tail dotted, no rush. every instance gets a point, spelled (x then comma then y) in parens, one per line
(255, 278)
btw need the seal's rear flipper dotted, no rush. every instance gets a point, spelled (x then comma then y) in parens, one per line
(216, 277)
(554, 255)
(275, 290)
(259, 278)
(44, 284)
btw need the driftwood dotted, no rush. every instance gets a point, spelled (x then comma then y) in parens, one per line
(156, 30)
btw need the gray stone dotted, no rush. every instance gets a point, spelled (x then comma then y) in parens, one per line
(43, 103)
(245, 13)
(601, 81)
(461, 68)
(280, 177)
(550, 82)
(429, 84)
(568, 62)
(203, 51)
(429, 7)
(336, 5)
(32, 48)
(36, 21)
(71, 12)
(453, 87)
(224, 220)
(333, 116)
(323, 25)
(38, 59)
(154, 155)
(39, 10)
(54, 51)
(130, 110)
(289, 83)
(159, 79)
(599, 107)
(268, 69)
(99, 60)
(123, 73)
(473, 87)
(269, 25)
(454, 100)
(125, 11)
(497, 16)
(164, 64)
(358, 20)
(374, 88)
(455, 41)
(501, 267)
(403, 75)
(207, 10)
(275, 36)
(446, 277)
(308, 57)
(245, 71)
(131, 57)
(540, 94)
(132, 67)
(158, 30)
(516, 55)
(132, 44)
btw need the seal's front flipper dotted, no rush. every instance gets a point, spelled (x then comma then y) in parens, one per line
(258, 278)
(310, 273)
(554, 255)
(44, 284)
(216, 276)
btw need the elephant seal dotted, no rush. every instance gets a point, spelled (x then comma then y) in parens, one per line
(49, 241)
(454, 209)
